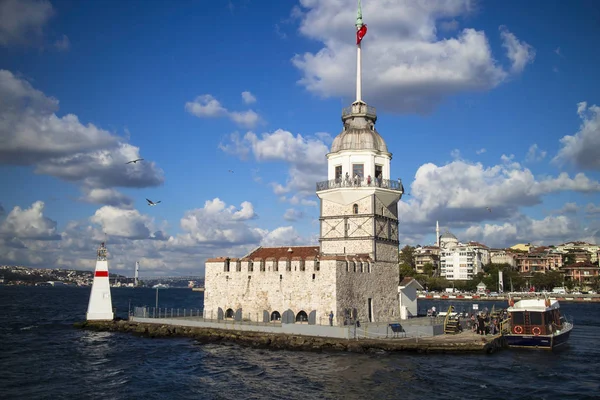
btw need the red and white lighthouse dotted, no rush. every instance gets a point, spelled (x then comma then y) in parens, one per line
(100, 305)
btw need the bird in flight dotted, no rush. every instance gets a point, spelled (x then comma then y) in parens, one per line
(489, 209)
(230, 170)
(151, 203)
(134, 161)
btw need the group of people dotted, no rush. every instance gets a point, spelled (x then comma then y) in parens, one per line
(484, 323)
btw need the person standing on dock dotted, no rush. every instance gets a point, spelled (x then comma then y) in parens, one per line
(480, 324)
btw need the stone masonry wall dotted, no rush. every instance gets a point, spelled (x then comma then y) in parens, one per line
(254, 292)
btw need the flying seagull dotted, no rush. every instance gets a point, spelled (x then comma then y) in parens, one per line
(134, 161)
(151, 203)
(230, 170)
(489, 209)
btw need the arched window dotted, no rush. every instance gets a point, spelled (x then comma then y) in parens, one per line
(229, 313)
(355, 209)
(275, 316)
(301, 317)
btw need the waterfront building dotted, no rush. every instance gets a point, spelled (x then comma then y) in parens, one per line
(593, 249)
(503, 256)
(354, 270)
(540, 261)
(427, 255)
(582, 274)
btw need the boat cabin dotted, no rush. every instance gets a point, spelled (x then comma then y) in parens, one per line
(535, 317)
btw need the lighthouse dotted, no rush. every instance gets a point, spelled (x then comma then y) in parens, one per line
(100, 305)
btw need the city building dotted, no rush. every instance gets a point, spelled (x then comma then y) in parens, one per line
(427, 255)
(503, 256)
(593, 249)
(581, 274)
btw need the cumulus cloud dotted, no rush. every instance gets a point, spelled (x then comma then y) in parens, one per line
(304, 155)
(548, 230)
(29, 223)
(23, 21)
(583, 148)
(519, 53)
(284, 236)
(480, 151)
(219, 225)
(591, 208)
(32, 134)
(535, 154)
(206, 106)
(460, 192)
(128, 224)
(109, 197)
(292, 214)
(248, 98)
(568, 208)
(408, 67)
(30, 131)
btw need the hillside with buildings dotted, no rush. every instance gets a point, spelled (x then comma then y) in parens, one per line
(452, 263)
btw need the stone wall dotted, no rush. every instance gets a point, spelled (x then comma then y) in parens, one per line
(255, 294)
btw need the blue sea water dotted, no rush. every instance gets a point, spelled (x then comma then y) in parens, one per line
(44, 357)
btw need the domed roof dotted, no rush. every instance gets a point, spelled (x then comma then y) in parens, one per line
(448, 235)
(359, 139)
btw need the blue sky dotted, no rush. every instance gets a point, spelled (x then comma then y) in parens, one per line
(483, 104)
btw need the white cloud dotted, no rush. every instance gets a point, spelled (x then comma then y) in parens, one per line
(583, 148)
(248, 98)
(109, 197)
(206, 106)
(63, 44)
(407, 67)
(549, 230)
(305, 157)
(568, 208)
(591, 208)
(455, 153)
(32, 134)
(292, 214)
(29, 223)
(217, 224)
(518, 52)
(449, 26)
(128, 224)
(535, 154)
(22, 21)
(480, 151)
(459, 192)
(284, 236)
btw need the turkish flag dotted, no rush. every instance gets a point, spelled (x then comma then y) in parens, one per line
(361, 33)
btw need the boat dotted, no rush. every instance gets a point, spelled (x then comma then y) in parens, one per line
(160, 286)
(536, 323)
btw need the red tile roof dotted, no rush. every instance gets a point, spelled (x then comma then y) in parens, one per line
(305, 252)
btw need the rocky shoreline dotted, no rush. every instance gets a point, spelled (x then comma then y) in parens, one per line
(437, 344)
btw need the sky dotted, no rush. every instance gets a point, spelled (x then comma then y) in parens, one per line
(490, 109)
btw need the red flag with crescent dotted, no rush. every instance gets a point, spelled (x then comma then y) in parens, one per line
(361, 33)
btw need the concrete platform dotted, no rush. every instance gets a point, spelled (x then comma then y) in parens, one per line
(464, 342)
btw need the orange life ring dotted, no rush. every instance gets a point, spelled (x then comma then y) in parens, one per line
(518, 329)
(536, 330)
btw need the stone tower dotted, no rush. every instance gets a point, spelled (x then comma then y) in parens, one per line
(359, 213)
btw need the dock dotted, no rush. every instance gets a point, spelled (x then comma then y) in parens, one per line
(463, 342)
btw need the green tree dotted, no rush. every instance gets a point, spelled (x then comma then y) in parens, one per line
(428, 269)
(407, 256)
(406, 270)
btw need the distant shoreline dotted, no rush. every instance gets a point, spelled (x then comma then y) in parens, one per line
(579, 298)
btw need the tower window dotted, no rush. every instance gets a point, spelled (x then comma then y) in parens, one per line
(358, 169)
(378, 171)
(338, 173)
(355, 208)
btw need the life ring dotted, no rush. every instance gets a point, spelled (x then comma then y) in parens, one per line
(518, 329)
(536, 330)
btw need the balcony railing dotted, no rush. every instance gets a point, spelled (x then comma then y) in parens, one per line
(359, 109)
(360, 183)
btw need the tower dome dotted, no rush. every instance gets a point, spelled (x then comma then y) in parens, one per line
(359, 130)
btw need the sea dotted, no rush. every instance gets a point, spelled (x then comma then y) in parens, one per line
(43, 356)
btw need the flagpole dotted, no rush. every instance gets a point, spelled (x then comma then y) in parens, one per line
(359, 25)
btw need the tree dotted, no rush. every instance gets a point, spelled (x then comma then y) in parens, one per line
(428, 269)
(405, 270)
(407, 256)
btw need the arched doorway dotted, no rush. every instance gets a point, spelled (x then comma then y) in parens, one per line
(229, 313)
(275, 316)
(302, 317)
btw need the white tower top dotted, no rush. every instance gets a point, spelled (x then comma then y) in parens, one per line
(100, 305)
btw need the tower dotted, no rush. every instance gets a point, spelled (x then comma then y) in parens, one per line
(359, 213)
(137, 274)
(100, 304)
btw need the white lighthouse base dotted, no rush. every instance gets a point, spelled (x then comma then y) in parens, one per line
(100, 305)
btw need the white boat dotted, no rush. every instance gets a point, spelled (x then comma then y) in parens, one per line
(536, 323)
(160, 286)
